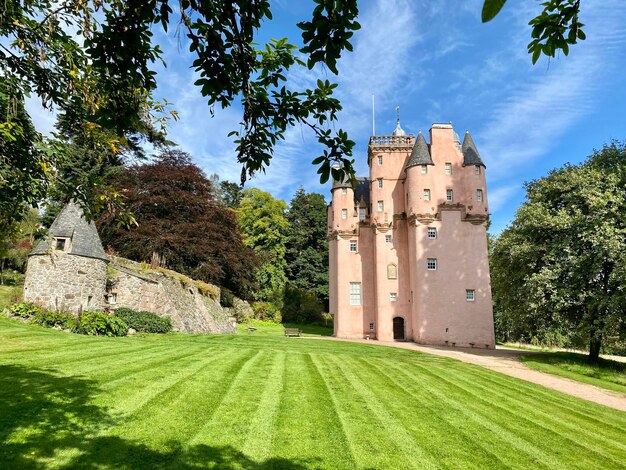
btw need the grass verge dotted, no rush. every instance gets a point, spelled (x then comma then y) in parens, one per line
(606, 373)
(266, 328)
(266, 401)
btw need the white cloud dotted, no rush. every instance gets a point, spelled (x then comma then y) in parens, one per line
(500, 196)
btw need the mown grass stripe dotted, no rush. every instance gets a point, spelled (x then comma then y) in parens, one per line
(307, 428)
(521, 424)
(448, 437)
(390, 435)
(517, 404)
(260, 438)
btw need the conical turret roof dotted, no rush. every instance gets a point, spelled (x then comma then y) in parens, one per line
(470, 154)
(420, 154)
(71, 224)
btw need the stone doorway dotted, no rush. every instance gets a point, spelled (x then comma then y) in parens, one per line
(398, 329)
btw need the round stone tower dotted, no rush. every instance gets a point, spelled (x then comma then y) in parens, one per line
(67, 271)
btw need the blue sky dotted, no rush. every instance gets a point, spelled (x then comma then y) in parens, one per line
(439, 63)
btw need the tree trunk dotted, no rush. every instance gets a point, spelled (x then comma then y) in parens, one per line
(594, 347)
(2, 272)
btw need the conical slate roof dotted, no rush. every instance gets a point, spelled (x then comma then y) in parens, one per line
(420, 154)
(470, 154)
(71, 223)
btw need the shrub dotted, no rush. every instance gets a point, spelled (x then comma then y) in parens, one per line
(227, 298)
(266, 311)
(146, 322)
(50, 319)
(301, 306)
(24, 309)
(101, 324)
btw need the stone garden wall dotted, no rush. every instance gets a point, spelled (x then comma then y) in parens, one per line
(168, 294)
(64, 282)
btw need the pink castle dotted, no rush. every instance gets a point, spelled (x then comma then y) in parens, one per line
(408, 245)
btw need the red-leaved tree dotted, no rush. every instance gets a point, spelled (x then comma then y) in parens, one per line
(180, 220)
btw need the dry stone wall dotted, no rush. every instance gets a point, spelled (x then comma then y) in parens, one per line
(167, 295)
(64, 282)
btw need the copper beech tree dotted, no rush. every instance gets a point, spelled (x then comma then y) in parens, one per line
(180, 221)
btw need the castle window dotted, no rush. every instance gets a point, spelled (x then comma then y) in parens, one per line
(344, 190)
(392, 271)
(477, 169)
(424, 169)
(387, 238)
(393, 297)
(381, 206)
(431, 264)
(380, 183)
(448, 168)
(448, 195)
(353, 246)
(362, 213)
(427, 195)
(344, 214)
(355, 293)
(470, 295)
(112, 298)
(60, 244)
(380, 160)
(432, 233)
(479, 195)
(371, 326)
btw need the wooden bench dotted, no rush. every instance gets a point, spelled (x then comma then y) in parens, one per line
(293, 332)
(251, 329)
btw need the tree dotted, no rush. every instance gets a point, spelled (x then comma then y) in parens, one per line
(179, 221)
(16, 242)
(559, 268)
(554, 29)
(264, 228)
(307, 245)
(93, 60)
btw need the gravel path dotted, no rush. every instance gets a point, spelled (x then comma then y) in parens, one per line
(506, 361)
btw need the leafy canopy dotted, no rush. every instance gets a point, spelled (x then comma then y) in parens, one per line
(560, 266)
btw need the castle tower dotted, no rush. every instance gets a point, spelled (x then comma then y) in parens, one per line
(67, 271)
(420, 270)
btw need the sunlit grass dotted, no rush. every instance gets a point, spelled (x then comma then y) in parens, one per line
(266, 401)
(605, 373)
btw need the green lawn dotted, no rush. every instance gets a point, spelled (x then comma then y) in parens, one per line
(266, 401)
(264, 328)
(606, 374)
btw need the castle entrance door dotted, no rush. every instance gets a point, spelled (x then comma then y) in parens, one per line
(398, 328)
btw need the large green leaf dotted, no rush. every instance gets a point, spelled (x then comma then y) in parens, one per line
(491, 8)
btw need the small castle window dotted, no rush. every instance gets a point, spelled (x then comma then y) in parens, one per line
(344, 214)
(344, 190)
(427, 195)
(424, 169)
(470, 295)
(432, 233)
(387, 238)
(380, 160)
(381, 206)
(355, 293)
(449, 195)
(380, 183)
(479, 195)
(448, 168)
(477, 169)
(60, 244)
(393, 297)
(89, 297)
(392, 271)
(112, 298)
(371, 326)
(353, 246)
(431, 264)
(362, 213)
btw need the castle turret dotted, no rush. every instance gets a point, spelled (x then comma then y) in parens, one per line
(67, 271)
